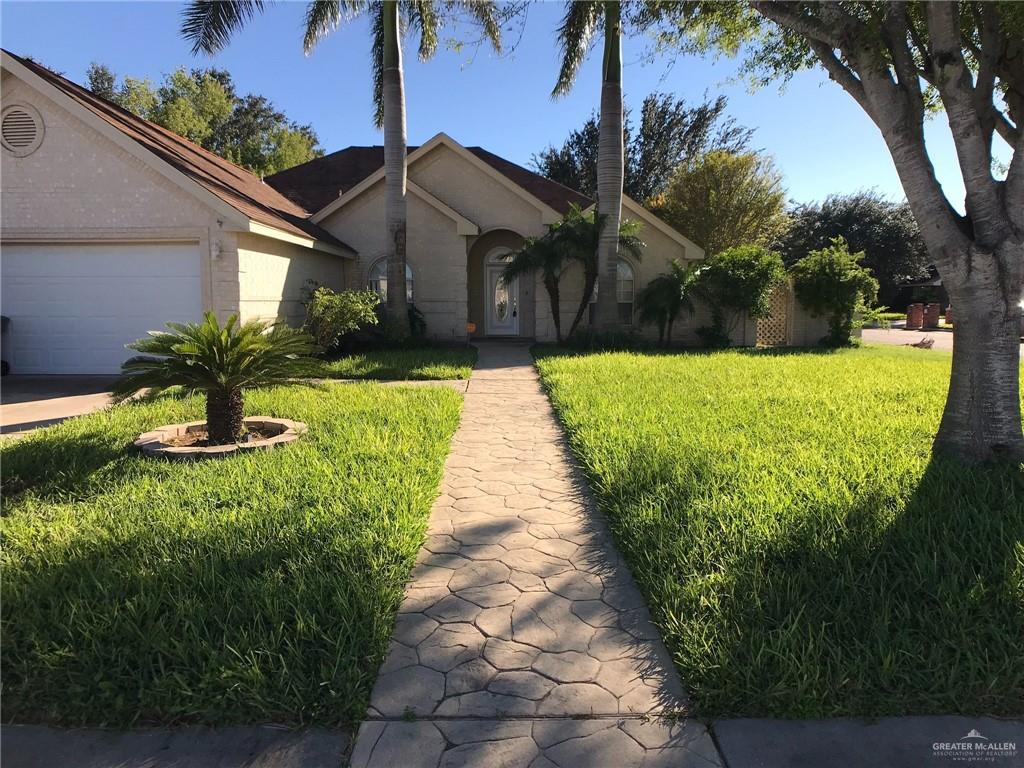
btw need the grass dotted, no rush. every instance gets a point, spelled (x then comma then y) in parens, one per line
(801, 552)
(258, 588)
(407, 364)
(892, 316)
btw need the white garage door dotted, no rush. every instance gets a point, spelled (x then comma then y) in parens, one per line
(74, 307)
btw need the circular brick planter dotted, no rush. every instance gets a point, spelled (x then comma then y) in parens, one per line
(159, 442)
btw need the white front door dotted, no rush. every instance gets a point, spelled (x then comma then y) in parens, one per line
(502, 303)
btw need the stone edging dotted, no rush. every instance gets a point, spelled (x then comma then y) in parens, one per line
(154, 443)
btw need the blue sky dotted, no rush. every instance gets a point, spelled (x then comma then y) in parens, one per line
(820, 139)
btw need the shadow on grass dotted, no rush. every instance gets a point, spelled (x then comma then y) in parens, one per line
(273, 621)
(846, 613)
(62, 466)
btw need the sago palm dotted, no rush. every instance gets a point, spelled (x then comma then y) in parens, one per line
(579, 236)
(209, 25)
(220, 362)
(668, 295)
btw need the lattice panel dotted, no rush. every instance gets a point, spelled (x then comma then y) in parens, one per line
(773, 331)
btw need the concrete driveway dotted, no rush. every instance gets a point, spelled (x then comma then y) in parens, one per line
(943, 338)
(30, 402)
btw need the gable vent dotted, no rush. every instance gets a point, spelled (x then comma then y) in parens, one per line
(21, 129)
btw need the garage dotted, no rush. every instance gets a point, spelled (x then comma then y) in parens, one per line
(73, 307)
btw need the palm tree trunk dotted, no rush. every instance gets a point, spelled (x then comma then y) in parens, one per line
(589, 280)
(224, 416)
(610, 168)
(551, 284)
(394, 171)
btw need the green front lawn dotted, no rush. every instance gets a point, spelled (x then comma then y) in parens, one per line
(800, 551)
(407, 364)
(258, 588)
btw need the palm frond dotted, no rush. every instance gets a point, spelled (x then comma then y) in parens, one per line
(422, 16)
(575, 34)
(209, 24)
(207, 356)
(377, 61)
(322, 18)
(487, 15)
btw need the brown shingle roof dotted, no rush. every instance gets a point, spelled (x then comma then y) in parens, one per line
(318, 182)
(234, 185)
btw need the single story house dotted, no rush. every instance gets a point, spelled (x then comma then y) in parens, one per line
(110, 226)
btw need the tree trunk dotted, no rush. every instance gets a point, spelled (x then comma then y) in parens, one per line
(589, 281)
(610, 169)
(224, 414)
(982, 418)
(668, 336)
(551, 284)
(394, 171)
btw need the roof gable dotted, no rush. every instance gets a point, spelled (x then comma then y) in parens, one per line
(327, 182)
(220, 183)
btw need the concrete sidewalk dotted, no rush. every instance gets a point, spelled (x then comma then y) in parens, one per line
(36, 746)
(893, 742)
(898, 336)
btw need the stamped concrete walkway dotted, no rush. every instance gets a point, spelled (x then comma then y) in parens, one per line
(522, 640)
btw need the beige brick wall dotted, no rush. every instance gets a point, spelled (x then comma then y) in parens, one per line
(273, 275)
(434, 250)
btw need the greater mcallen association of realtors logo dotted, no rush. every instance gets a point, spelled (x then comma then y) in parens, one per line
(974, 748)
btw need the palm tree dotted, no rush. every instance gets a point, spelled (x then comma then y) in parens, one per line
(666, 296)
(578, 27)
(546, 255)
(220, 362)
(579, 236)
(209, 24)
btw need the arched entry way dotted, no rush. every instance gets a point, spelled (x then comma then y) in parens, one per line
(496, 309)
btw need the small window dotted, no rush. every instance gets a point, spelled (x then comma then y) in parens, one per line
(624, 289)
(378, 279)
(21, 129)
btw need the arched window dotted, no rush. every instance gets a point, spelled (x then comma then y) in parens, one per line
(378, 279)
(625, 279)
(624, 291)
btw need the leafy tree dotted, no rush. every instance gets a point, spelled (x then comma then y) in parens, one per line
(194, 105)
(332, 314)
(723, 200)
(102, 81)
(202, 106)
(669, 134)
(664, 298)
(220, 362)
(886, 232)
(900, 61)
(735, 283)
(831, 283)
(209, 25)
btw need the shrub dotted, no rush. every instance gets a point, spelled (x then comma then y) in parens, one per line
(668, 295)
(737, 282)
(220, 362)
(831, 283)
(330, 315)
